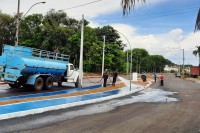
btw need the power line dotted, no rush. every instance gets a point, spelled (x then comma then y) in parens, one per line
(158, 15)
(82, 5)
(169, 11)
(149, 15)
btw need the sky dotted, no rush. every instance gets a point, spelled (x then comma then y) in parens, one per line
(163, 27)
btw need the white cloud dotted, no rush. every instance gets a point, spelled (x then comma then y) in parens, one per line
(94, 24)
(130, 31)
(126, 32)
(92, 10)
(169, 44)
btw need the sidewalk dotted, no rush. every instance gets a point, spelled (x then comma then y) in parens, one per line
(194, 80)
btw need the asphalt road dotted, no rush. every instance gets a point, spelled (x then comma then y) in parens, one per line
(175, 117)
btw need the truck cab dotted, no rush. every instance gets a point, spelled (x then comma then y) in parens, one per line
(71, 75)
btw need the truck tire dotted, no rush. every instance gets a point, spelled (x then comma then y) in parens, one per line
(15, 85)
(49, 83)
(39, 83)
(77, 82)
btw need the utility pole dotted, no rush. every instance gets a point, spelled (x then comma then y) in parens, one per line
(104, 40)
(17, 25)
(81, 55)
(127, 65)
(131, 66)
(18, 20)
(137, 65)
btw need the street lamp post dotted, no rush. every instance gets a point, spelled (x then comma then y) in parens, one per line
(154, 65)
(131, 56)
(127, 65)
(33, 6)
(18, 19)
(141, 62)
(104, 39)
(17, 25)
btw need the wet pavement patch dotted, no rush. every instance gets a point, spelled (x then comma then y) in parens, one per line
(155, 95)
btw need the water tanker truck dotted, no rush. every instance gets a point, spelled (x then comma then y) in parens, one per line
(30, 67)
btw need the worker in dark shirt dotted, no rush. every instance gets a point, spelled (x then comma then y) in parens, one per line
(105, 77)
(115, 74)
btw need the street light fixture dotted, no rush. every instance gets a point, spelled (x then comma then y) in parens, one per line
(131, 56)
(33, 6)
(18, 21)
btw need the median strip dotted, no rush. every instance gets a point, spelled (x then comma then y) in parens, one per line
(103, 89)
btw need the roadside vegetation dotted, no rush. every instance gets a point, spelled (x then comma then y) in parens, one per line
(56, 30)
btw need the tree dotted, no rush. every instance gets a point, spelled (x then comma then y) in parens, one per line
(112, 36)
(197, 52)
(158, 62)
(113, 48)
(7, 28)
(30, 31)
(128, 4)
(140, 56)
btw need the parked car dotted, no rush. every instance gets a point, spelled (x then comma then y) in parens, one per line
(177, 75)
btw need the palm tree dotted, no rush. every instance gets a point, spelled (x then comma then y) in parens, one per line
(197, 26)
(128, 4)
(197, 52)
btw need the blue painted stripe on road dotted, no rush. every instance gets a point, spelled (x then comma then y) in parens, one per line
(50, 93)
(12, 108)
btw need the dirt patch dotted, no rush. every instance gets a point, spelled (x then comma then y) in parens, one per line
(140, 83)
(108, 88)
(92, 75)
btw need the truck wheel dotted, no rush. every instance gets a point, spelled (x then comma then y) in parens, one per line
(15, 85)
(49, 83)
(77, 82)
(39, 83)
